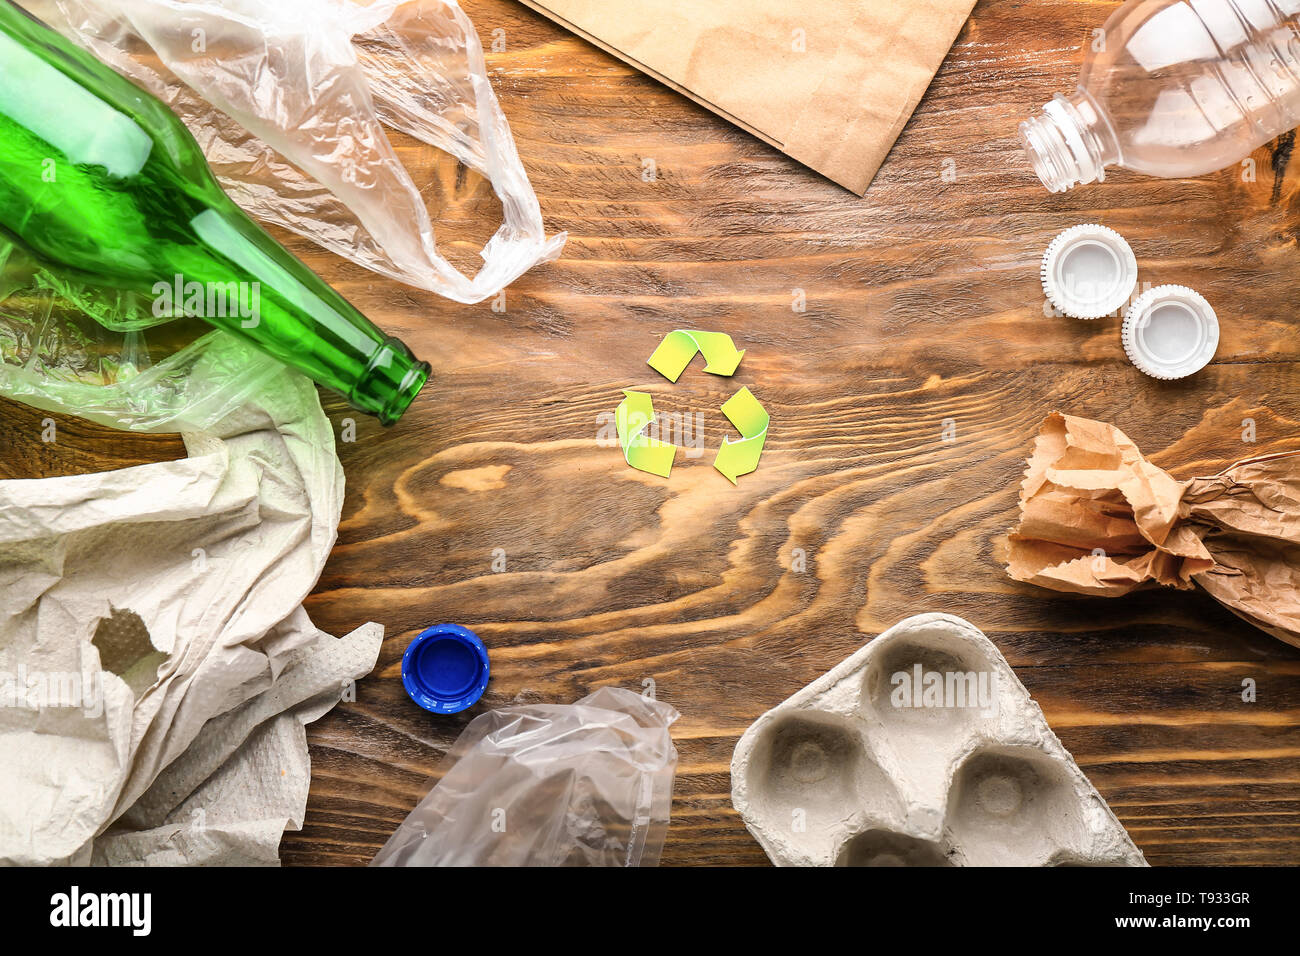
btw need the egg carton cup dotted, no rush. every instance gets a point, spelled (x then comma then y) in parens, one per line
(921, 749)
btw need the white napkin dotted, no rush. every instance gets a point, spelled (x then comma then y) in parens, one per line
(156, 664)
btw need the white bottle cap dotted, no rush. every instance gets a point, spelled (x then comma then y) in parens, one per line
(1089, 271)
(1170, 332)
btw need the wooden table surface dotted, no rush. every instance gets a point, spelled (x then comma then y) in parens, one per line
(922, 305)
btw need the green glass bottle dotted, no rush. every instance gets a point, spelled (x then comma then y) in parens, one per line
(100, 180)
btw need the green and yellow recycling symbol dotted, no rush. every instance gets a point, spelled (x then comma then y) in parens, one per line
(636, 413)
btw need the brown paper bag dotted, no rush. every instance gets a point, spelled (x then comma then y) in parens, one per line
(1098, 518)
(829, 84)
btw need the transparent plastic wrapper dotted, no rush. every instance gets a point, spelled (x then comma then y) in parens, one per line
(585, 784)
(76, 350)
(289, 99)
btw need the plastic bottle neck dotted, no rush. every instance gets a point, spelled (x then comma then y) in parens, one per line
(1070, 142)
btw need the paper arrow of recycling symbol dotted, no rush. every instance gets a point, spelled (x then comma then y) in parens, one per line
(633, 417)
(636, 411)
(679, 347)
(736, 458)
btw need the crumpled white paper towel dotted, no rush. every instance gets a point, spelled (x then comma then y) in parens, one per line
(156, 665)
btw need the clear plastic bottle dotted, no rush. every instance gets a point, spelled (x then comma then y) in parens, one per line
(1173, 88)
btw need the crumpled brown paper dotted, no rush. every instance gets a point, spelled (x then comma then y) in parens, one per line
(1098, 518)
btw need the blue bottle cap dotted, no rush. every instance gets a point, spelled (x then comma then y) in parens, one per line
(445, 669)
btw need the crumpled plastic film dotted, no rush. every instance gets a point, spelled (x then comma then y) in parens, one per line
(584, 784)
(289, 98)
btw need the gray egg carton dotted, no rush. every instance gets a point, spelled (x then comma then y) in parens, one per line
(857, 770)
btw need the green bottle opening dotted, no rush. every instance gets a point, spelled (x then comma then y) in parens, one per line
(392, 379)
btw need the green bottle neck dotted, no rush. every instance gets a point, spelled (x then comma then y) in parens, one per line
(303, 321)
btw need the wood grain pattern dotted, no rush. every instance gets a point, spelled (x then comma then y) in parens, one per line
(923, 304)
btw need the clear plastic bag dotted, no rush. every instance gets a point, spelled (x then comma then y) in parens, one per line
(289, 99)
(79, 350)
(585, 784)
